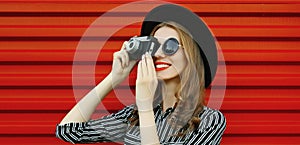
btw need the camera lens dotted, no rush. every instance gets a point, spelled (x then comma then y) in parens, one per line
(131, 44)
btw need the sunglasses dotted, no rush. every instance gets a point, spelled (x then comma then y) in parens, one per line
(170, 46)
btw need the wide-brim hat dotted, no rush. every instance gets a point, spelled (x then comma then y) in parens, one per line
(196, 27)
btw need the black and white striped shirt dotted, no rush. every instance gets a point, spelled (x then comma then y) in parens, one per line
(116, 127)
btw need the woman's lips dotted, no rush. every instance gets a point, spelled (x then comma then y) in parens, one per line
(159, 66)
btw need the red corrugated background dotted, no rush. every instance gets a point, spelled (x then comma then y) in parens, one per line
(260, 40)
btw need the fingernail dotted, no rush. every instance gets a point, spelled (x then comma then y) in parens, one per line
(143, 56)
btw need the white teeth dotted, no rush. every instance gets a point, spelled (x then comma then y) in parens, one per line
(161, 65)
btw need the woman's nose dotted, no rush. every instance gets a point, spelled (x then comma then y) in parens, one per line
(159, 53)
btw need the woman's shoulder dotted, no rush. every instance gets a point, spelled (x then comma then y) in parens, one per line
(210, 111)
(211, 118)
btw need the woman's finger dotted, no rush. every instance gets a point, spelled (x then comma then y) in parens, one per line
(144, 66)
(150, 65)
(126, 58)
(118, 60)
(116, 56)
(123, 50)
(139, 71)
(123, 58)
(124, 45)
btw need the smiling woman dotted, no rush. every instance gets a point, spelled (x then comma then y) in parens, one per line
(170, 88)
(260, 41)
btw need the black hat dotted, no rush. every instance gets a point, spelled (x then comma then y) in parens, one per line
(196, 27)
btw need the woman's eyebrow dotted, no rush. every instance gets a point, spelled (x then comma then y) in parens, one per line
(165, 38)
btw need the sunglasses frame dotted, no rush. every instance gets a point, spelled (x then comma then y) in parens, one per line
(165, 43)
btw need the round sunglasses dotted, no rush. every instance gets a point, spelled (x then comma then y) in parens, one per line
(170, 46)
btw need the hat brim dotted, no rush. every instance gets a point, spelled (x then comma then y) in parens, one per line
(196, 27)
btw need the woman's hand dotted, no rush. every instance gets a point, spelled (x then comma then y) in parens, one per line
(146, 83)
(121, 65)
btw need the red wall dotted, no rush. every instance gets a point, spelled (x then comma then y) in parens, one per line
(260, 41)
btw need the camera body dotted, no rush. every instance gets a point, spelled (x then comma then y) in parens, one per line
(137, 46)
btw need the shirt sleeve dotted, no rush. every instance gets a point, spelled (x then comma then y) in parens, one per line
(210, 131)
(109, 128)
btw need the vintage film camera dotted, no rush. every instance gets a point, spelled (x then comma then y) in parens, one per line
(137, 46)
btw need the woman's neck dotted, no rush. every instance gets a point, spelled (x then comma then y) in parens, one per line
(170, 89)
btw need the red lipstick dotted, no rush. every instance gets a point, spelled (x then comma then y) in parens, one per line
(159, 66)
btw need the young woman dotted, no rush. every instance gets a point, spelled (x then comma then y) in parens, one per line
(170, 89)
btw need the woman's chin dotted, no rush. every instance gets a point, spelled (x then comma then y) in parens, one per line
(165, 77)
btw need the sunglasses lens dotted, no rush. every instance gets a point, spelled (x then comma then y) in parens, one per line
(171, 46)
